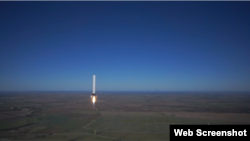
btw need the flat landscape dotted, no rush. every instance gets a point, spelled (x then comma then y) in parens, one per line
(117, 116)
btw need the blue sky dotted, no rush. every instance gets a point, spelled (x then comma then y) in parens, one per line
(129, 46)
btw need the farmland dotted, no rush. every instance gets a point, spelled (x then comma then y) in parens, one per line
(117, 116)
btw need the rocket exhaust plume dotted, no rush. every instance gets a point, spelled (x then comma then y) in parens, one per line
(93, 100)
(93, 95)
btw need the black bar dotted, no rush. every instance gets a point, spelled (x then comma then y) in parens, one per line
(200, 132)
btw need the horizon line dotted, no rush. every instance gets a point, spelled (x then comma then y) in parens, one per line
(89, 91)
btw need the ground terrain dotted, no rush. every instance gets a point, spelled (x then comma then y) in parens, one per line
(117, 116)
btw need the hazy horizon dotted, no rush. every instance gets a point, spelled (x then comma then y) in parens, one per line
(103, 92)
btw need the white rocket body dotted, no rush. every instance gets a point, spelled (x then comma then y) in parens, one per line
(93, 95)
(93, 84)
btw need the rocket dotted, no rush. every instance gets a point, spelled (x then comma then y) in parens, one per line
(93, 95)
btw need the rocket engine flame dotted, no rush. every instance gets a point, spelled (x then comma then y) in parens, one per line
(93, 95)
(93, 99)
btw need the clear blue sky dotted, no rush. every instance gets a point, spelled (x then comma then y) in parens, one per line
(147, 46)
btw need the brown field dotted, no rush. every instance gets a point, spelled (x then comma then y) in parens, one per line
(117, 116)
